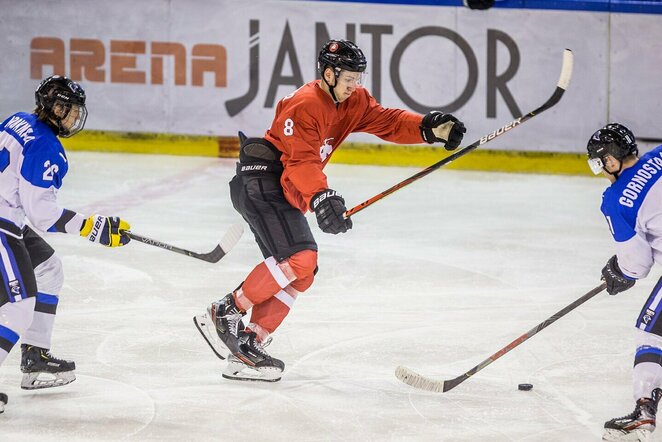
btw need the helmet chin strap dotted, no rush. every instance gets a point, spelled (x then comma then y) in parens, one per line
(331, 88)
(617, 173)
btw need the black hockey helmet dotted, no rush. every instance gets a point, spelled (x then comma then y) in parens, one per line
(614, 139)
(339, 55)
(56, 98)
(479, 4)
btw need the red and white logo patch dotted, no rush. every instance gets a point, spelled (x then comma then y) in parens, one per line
(333, 47)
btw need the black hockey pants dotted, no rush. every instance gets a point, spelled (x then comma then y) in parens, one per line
(280, 229)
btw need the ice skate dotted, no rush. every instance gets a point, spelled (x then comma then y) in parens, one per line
(43, 370)
(3, 402)
(252, 362)
(220, 326)
(636, 426)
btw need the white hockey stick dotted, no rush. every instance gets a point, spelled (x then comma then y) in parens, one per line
(562, 85)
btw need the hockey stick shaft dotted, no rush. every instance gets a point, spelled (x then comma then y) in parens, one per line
(226, 244)
(561, 86)
(416, 380)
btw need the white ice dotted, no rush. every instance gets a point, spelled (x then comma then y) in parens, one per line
(436, 277)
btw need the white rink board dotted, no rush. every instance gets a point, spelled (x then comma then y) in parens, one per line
(431, 278)
(616, 81)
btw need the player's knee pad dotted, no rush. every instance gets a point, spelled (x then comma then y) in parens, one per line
(303, 263)
(17, 316)
(303, 284)
(50, 276)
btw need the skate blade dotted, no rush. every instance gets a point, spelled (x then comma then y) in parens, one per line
(238, 371)
(39, 380)
(208, 331)
(626, 436)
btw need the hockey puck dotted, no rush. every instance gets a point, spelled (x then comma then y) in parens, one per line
(525, 387)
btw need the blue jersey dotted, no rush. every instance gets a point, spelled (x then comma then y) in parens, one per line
(33, 164)
(633, 208)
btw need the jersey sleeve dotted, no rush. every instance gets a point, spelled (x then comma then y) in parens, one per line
(635, 255)
(395, 125)
(301, 142)
(41, 174)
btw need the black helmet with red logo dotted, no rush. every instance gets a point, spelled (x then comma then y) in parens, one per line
(341, 55)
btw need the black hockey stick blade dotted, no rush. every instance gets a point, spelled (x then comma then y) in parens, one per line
(226, 244)
(421, 382)
(561, 86)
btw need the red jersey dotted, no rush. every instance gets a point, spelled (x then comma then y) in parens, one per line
(309, 127)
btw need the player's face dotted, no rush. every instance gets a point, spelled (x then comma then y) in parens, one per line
(611, 164)
(347, 83)
(72, 117)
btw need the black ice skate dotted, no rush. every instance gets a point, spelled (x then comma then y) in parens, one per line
(43, 370)
(636, 426)
(3, 402)
(252, 362)
(221, 325)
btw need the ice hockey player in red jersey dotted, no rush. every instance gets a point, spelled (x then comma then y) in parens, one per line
(279, 178)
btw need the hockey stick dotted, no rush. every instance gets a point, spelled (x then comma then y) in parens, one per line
(227, 243)
(416, 380)
(561, 86)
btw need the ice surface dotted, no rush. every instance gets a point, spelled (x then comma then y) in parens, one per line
(436, 277)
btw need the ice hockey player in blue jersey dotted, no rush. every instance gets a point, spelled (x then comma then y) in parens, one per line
(33, 164)
(632, 205)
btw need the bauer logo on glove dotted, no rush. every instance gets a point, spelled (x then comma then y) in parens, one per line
(105, 230)
(329, 208)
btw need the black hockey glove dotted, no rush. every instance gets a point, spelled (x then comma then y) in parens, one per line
(479, 4)
(616, 281)
(444, 128)
(329, 207)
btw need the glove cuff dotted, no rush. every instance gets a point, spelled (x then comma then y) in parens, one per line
(93, 227)
(427, 135)
(86, 228)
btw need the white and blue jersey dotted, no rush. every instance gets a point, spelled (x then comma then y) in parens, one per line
(32, 166)
(633, 208)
